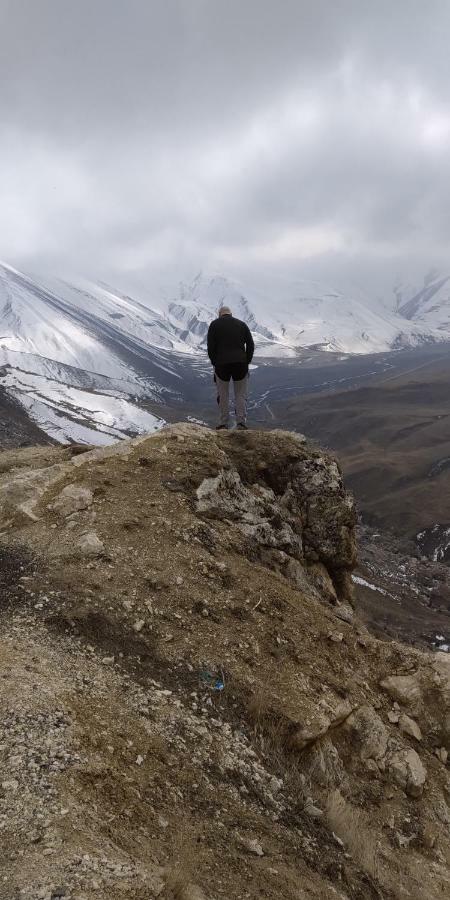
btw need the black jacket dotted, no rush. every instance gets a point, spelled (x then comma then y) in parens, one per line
(229, 341)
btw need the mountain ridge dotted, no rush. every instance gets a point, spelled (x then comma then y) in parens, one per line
(189, 706)
(68, 350)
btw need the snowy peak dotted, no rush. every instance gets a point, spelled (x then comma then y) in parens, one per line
(85, 359)
(196, 304)
(65, 359)
(287, 317)
(100, 329)
(35, 321)
(429, 304)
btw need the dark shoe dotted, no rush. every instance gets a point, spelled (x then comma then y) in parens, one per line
(242, 427)
(221, 427)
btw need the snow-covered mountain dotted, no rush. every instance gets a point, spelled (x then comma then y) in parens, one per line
(286, 317)
(81, 361)
(92, 363)
(427, 305)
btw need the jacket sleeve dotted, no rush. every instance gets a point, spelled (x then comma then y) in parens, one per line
(249, 344)
(211, 342)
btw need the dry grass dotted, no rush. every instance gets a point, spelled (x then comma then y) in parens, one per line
(179, 887)
(180, 873)
(272, 736)
(350, 825)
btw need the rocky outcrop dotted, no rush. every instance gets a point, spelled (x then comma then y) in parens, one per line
(425, 695)
(299, 509)
(72, 499)
(408, 771)
(369, 732)
(320, 724)
(405, 689)
(286, 498)
(409, 727)
(176, 659)
(255, 511)
(25, 477)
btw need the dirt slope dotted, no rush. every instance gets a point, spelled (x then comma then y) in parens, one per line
(393, 440)
(189, 707)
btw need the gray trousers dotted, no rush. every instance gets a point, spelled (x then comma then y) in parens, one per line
(240, 399)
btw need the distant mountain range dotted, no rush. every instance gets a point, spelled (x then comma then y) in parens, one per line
(288, 317)
(91, 363)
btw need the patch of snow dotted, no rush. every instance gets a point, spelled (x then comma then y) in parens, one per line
(434, 542)
(427, 304)
(196, 421)
(373, 587)
(69, 413)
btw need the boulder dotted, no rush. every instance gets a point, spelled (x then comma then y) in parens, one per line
(369, 731)
(322, 722)
(407, 770)
(225, 497)
(345, 613)
(73, 498)
(89, 544)
(409, 727)
(309, 733)
(425, 696)
(406, 689)
(21, 492)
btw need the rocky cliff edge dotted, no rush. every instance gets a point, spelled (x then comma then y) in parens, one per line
(189, 707)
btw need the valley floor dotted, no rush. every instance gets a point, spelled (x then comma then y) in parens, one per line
(402, 596)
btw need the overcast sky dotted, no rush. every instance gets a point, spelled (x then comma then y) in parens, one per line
(300, 137)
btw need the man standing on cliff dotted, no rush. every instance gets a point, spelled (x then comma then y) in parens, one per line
(230, 349)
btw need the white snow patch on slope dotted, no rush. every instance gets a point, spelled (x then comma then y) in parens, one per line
(373, 587)
(53, 318)
(287, 316)
(29, 324)
(71, 375)
(427, 304)
(135, 319)
(68, 413)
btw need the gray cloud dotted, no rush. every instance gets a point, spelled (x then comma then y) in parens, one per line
(291, 136)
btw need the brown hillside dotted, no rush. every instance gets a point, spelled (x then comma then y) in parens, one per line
(189, 707)
(393, 441)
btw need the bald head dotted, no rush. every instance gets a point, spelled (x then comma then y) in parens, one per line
(225, 311)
